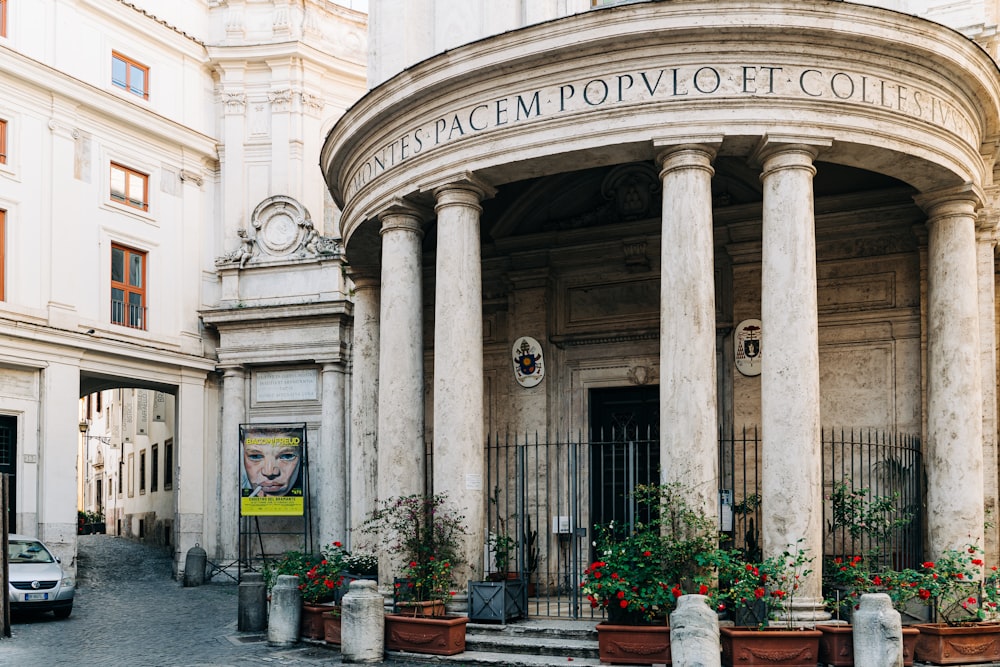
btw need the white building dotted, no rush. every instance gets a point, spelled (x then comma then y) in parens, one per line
(135, 145)
(625, 188)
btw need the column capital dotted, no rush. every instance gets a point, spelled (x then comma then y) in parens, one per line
(787, 151)
(686, 156)
(962, 200)
(232, 370)
(402, 215)
(363, 279)
(460, 187)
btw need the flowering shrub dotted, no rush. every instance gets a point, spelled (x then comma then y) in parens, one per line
(320, 582)
(426, 534)
(361, 562)
(319, 576)
(852, 577)
(754, 592)
(641, 572)
(960, 587)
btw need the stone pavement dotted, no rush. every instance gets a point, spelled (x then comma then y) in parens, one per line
(130, 613)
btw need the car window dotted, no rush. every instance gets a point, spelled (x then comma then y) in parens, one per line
(28, 551)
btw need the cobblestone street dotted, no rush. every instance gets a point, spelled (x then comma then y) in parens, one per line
(130, 613)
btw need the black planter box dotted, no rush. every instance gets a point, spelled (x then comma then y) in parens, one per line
(498, 601)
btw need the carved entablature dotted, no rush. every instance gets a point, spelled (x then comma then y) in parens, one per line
(280, 229)
(634, 190)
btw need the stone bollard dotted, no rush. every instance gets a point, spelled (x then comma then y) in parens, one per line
(286, 611)
(878, 632)
(694, 633)
(252, 609)
(362, 624)
(194, 566)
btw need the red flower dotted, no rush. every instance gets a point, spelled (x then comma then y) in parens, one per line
(597, 575)
(703, 590)
(676, 591)
(623, 604)
(758, 593)
(977, 561)
(647, 553)
(337, 544)
(929, 565)
(924, 593)
(614, 575)
(621, 594)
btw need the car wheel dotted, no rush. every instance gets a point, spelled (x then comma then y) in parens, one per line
(63, 612)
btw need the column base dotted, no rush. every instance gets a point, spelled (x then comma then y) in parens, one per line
(803, 613)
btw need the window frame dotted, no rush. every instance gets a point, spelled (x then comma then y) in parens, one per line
(142, 472)
(128, 289)
(154, 467)
(129, 64)
(3, 18)
(127, 199)
(3, 138)
(168, 464)
(3, 254)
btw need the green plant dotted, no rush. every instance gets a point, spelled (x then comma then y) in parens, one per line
(643, 569)
(758, 590)
(361, 562)
(502, 547)
(850, 578)
(319, 574)
(426, 534)
(960, 587)
(865, 516)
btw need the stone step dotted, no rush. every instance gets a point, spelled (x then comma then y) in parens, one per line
(547, 646)
(505, 659)
(565, 628)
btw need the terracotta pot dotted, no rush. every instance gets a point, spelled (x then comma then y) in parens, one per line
(440, 635)
(771, 646)
(331, 627)
(634, 644)
(942, 644)
(836, 646)
(311, 626)
(424, 609)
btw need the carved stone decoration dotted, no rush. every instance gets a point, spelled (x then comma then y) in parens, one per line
(240, 255)
(282, 228)
(642, 375)
(633, 188)
(636, 259)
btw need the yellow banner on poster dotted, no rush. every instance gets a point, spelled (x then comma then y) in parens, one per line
(272, 506)
(272, 470)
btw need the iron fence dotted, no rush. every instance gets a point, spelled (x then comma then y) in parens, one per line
(548, 494)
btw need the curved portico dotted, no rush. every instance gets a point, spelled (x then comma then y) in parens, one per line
(799, 89)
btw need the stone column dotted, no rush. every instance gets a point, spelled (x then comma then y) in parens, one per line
(401, 358)
(986, 244)
(192, 499)
(953, 451)
(363, 451)
(459, 447)
(792, 480)
(233, 414)
(331, 484)
(689, 449)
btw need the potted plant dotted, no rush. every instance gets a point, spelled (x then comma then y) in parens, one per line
(319, 578)
(863, 519)
(641, 571)
(358, 564)
(963, 593)
(850, 578)
(332, 625)
(757, 593)
(503, 596)
(426, 533)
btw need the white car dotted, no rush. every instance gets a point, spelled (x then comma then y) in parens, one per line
(37, 580)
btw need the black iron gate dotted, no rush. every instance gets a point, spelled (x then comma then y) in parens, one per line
(544, 498)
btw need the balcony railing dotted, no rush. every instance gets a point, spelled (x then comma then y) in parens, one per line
(128, 315)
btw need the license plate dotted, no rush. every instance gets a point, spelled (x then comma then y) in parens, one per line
(28, 597)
